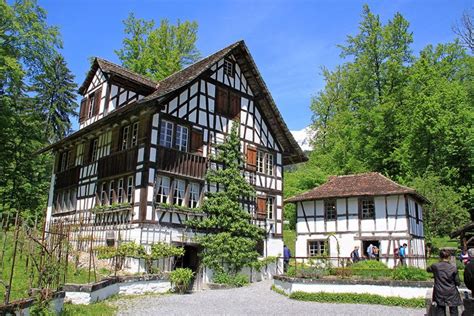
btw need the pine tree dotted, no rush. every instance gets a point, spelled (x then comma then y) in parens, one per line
(231, 238)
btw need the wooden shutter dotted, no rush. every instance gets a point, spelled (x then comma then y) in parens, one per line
(234, 105)
(83, 110)
(251, 157)
(86, 155)
(97, 98)
(196, 141)
(115, 139)
(222, 101)
(72, 157)
(261, 207)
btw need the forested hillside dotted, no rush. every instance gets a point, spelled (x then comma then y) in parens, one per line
(407, 115)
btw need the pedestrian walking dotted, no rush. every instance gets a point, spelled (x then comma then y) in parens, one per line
(402, 253)
(355, 257)
(286, 258)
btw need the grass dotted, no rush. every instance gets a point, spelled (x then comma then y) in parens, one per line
(95, 309)
(441, 242)
(289, 238)
(23, 277)
(352, 298)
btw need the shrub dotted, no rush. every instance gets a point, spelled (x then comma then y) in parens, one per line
(358, 299)
(371, 269)
(410, 274)
(238, 280)
(181, 278)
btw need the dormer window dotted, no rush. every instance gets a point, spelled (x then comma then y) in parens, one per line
(229, 68)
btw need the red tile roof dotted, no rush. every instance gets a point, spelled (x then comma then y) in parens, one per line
(365, 184)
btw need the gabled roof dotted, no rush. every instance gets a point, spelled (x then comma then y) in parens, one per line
(116, 70)
(292, 152)
(364, 184)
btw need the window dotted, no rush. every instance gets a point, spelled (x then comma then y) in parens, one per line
(130, 189)
(317, 248)
(166, 134)
(125, 132)
(111, 192)
(129, 136)
(270, 207)
(367, 208)
(228, 68)
(179, 190)
(65, 200)
(103, 193)
(120, 195)
(90, 108)
(193, 200)
(260, 161)
(163, 189)
(63, 160)
(265, 162)
(330, 211)
(80, 154)
(94, 149)
(181, 141)
(417, 213)
(134, 140)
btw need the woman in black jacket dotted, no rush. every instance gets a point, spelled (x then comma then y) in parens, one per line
(446, 281)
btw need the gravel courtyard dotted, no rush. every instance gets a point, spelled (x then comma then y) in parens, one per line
(256, 299)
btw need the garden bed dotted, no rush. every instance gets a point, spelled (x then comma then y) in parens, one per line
(127, 285)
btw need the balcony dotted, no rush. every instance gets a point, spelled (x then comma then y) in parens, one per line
(181, 163)
(67, 178)
(117, 163)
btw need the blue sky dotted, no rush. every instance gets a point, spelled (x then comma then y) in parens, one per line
(289, 40)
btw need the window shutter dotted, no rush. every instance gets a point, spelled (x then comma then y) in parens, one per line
(251, 157)
(86, 155)
(83, 110)
(115, 139)
(196, 141)
(234, 104)
(261, 207)
(72, 157)
(97, 98)
(222, 101)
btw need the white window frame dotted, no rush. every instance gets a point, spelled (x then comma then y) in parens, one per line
(317, 248)
(164, 186)
(120, 195)
(134, 136)
(179, 191)
(166, 134)
(270, 207)
(90, 110)
(95, 149)
(125, 136)
(181, 140)
(194, 193)
(130, 187)
(103, 194)
(111, 191)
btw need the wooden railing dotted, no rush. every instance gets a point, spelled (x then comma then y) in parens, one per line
(117, 163)
(67, 178)
(181, 163)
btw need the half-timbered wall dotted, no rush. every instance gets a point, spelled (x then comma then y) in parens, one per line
(195, 105)
(112, 97)
(392, 225)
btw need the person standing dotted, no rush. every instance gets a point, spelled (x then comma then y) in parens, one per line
(355, 257)
(446, 281)
(286, 258)
(402, 254)
(375, 251)
(370, 251)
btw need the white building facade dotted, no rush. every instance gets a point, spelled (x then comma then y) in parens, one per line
(135, 169)
(359, 210)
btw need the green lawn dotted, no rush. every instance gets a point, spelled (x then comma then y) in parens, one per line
(96, 309)
(24, 278)
(289, 238)
(440, 242)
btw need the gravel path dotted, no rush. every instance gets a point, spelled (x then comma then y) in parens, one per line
(256, 299)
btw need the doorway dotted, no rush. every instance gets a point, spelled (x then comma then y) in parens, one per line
(367, 243)
(190, 259)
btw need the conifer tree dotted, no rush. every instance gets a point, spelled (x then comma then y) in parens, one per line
(230, 240)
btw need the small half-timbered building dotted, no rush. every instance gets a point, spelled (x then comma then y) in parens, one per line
(359, 210)
(134, 171)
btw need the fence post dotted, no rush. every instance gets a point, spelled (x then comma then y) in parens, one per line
(12, 270)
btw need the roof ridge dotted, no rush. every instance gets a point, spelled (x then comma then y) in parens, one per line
(200, 60)
(100, 59)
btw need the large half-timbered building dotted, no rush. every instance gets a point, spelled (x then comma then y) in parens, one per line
(135, 168)
(359, 210)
